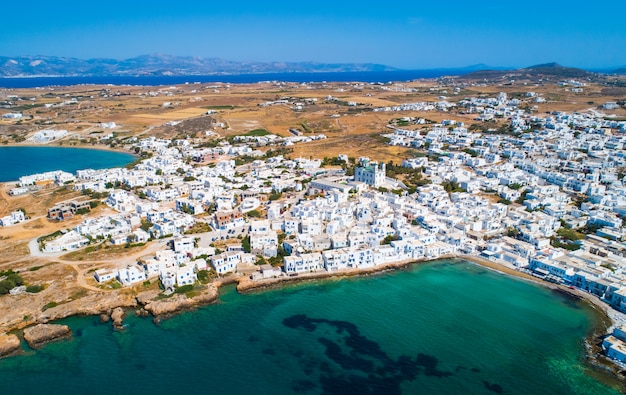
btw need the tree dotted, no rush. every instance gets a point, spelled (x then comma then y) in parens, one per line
(388, 239)
(245, 244)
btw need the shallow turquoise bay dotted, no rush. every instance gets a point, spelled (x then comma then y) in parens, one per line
(21, 161)
(438, 328)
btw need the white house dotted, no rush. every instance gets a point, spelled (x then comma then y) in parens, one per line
(131, 275)
(14, 218)
(70, 241)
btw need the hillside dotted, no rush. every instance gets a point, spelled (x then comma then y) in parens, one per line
(156, 64)
(540, 71)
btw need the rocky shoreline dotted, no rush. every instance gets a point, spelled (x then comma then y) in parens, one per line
(9, 345)
(39, 335)
(109, 306)
(113, 305)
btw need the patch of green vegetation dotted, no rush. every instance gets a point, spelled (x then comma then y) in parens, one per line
(608, 266)
(10, 281)
(556, 243)
(451, 186)
(471, 152)
(49, 306)
(254, 214)
(93, 194)
(49, 237)
(245, 244)
(145, 225)
(570, 234)
(113, 284)
(257, 132)
(198, 227)
(184, 289)
(33, 289)
(134, 245)
(275, 195)
(388, 239)
(205, 276)
(223, 107)
(306, 127)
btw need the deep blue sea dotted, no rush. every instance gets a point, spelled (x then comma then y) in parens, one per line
(446, 327)
(20, 161)
(363, 76)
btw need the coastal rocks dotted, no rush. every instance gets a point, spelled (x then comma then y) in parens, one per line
(9, 345)
(178, 302)
(117, 316)
(147, 296)
(93, 304)
(38, 335)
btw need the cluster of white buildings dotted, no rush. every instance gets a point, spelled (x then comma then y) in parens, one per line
(514, 192)
(57, 177)
(442, 105)
(566, 169)
(47, 135)
(174, 267)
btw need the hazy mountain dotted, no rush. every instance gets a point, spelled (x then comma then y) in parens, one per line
(540, 71)
(156, 64)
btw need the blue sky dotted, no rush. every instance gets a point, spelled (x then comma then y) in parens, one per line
(404, 34)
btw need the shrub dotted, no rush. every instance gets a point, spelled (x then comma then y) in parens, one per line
(49, 306)
(33, 289)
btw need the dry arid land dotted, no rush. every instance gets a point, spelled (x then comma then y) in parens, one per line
(205, 115)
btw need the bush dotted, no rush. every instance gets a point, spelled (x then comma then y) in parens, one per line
(11, 281)
(33, 289)
(245, 244)
(49, 306)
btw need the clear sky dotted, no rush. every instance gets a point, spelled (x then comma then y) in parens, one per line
(404, 34)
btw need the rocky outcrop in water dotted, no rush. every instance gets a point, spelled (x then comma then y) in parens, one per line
(9, 345)
(38, 335)
(179, 302)
(117, 316)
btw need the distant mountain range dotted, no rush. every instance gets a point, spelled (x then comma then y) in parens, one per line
(157, 65)
(168, 65)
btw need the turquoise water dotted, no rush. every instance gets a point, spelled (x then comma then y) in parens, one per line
(34, 160)
(438, 328)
